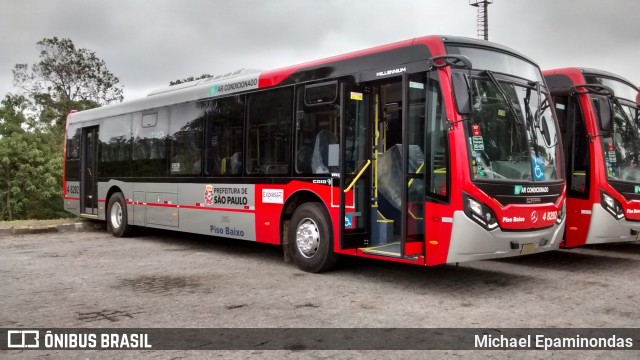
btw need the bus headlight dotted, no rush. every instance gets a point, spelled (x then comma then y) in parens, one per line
(611, 205)
(479, 212)
(563, 212)
(475, 206)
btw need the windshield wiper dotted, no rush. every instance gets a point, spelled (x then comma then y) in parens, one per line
(626, 118)
(504, 95)
(532, 120)
(507, 100)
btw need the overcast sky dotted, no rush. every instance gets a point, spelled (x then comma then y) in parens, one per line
(147, 43)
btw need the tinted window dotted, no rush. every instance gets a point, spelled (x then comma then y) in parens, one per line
(437, 147)
(115, 146)
(269, 124)
(224, 134)
(74, 134)
(186, 139)
(580, 142)
(149, 155)
(316, 132)
(576, 144)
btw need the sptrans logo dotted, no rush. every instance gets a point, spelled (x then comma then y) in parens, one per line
(519, 189)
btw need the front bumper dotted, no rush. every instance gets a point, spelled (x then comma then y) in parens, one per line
(470, 241)
(604, 228)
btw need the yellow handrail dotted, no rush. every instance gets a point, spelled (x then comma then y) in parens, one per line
(417, 172)
(358, 176)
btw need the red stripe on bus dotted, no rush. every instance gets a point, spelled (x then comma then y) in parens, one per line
(192, 207)
(217, 209)
(162, 205)
(71, 198)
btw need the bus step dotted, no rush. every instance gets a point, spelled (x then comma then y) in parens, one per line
(391, 250)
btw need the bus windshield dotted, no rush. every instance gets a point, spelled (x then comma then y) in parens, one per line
(499, 62)
(512, 132)
(621, 147)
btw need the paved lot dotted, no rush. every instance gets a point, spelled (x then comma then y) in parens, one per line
(167, 279)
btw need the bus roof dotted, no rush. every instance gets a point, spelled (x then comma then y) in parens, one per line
(393, 54)
(602, 73)
(465, 41)
(562, 79)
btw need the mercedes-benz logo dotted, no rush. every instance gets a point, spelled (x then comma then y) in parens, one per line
(534, 216)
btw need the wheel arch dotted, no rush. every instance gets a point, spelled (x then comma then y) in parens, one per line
(293, 202)
(112, 190)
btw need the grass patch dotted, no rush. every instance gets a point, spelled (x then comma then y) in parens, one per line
(29, 223)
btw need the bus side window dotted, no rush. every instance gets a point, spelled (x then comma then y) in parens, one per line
(186, 139)
(562, 111)
(437, 149)
(149, 154)
(115, 146)
(72, 170)
(224, 131)
(578, 150)
(270, 115)
(316, 129)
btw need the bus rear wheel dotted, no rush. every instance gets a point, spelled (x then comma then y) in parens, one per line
(311, 238)
(117, 216)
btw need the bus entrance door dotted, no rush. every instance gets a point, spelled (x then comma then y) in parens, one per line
(398, 113)
(355, 155)
(413, 164)
(89, 180)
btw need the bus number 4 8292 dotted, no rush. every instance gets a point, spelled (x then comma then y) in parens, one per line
(550, 215)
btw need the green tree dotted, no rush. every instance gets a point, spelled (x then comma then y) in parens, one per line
(30, 165)
(32, 124)
(65, 78)
(190, 78)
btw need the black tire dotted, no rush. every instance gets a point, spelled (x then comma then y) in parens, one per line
(314, 253)
(117, 216)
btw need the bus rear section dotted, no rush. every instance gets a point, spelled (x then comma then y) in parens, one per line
(599, 117)
(428, 151)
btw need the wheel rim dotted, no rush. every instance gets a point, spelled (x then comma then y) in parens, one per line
(116, 215)
(307, 237)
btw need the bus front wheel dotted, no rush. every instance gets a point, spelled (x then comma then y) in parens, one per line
(311, 238)
(117, 216)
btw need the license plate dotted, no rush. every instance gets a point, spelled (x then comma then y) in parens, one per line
(528, 248)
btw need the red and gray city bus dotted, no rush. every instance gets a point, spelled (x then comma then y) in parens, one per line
(427, 151)
(598, 114)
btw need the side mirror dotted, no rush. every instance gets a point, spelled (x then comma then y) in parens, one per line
(462, 92)
(605, 113)
(455, 61)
